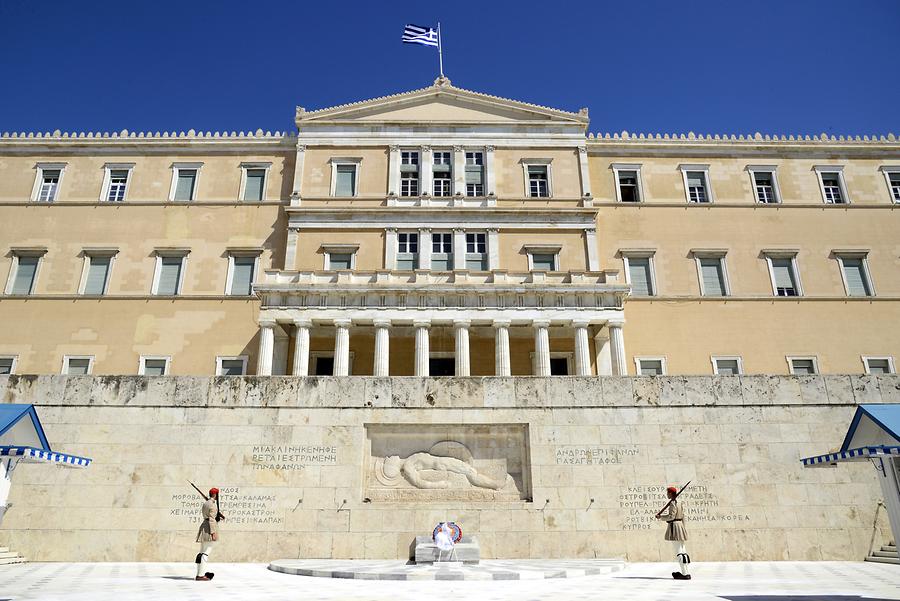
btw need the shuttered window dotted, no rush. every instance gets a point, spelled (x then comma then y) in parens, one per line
(78, 366)
(155, 367)
(118, 181)
(340, 261)
(474, 174)
(697, 191)
(894, 178)
(727, 367)
(628, 186)
(764, 181)
(407, 250)
(25, 274)
(169, 276)
(185, 184)
(242, 275)
(803, 367)
(855, 276)
(231, 367)
(543, 261)
(713, 276)
(873, 366)
(49, 184)
(785, 278)
(476, 255)
(538, 183)
(441, 251)
(831, 187)
(98, 272)
(345, 182)
(255, 184)
(650, 367)
(639, 273)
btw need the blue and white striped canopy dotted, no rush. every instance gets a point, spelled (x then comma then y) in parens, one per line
(859, 454)
(33, 455)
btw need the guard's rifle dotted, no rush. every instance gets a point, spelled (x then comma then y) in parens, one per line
(666, 506)
(219, 515)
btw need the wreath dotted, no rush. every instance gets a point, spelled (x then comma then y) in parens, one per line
(457, 531)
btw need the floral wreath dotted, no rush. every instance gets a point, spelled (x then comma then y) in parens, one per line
(457, 531)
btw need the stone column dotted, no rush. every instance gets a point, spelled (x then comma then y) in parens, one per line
(461, 328)
(582, 348)
(459, 172)
(390, 248)
(301, 347)
(382, 347)
(459, 248)
(422, 350)
(266, 348)
(394, 171)
(290, 249)
(298, 176)
(342, 347)
(604, 360)
(617, 348)
(489, 175)
(541, 347)
(590, 246)
(501, 347)
(425, 248)
(426, 172)
(584, 171)
(493, 248)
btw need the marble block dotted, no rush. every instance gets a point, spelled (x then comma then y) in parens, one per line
(423, 550)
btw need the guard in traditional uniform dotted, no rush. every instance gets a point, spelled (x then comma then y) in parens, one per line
(208, 533)
(673, 514)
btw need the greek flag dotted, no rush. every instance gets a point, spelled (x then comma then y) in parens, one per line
(416, 34)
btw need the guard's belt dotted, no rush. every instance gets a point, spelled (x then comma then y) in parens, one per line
(675, 520)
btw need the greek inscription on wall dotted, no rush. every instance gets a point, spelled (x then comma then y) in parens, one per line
(595, 454)
(240, 507)
(639, 505)
(291, 457)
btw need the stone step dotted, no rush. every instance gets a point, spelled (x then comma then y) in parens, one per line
(4, 549)
(892, 560)
(4, 561)
(884, 553)
(7, 554)
(889, 548)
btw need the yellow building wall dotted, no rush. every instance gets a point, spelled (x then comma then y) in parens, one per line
(372, 171)
(565, 181)
(311, 256)
(514, 257)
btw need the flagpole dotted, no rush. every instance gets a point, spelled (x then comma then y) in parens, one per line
(440, 54)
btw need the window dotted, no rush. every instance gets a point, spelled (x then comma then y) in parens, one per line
(474, 174)
(340, 261)
(441, 251)
(77, 365)
(443, 176)
(628, 183)
(855, 273)
(169, 273)
(241, 273)
(184, 181)
(321, 363)
(48, 178)
(23, 274)
(559, 366)
(831, 182)
(892, 176)
(542, 257)
(407, 250)
(783, 273)
(153, 366)
(254, 176)
(803, 366)
(727, 366)
(8, 365)
(116, 177)
(873, 365)
(409, 173)
(97, 267)
(441, 366)
(650, 366)
(231, 366)
(538, 181)
(711, 272)
(765, 184)
(696, 183)
(639, 273)
(340, 256)
(476, 251)
(345, 177)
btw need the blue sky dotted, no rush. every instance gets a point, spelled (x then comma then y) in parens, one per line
(786, 66)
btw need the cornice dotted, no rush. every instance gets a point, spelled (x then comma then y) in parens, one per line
(601, 140)
(190, 138)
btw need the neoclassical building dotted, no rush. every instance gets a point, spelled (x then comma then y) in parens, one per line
(448, 232)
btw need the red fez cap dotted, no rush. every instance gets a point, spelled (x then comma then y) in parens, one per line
(672, 490)
(213, 491)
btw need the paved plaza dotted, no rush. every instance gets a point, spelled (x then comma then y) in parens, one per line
(731, 581)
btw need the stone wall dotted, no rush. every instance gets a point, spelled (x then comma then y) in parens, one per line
(293, 457)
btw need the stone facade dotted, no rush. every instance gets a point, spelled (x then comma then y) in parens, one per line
(291, 458)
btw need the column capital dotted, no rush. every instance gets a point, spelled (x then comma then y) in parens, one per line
(540, 323)
(381, 323)
(422, 323)
(423, 229)
(426, 148)
(580, 323)
(462, 323)
(501, 323)
(489, 149)
(301, 147)
(458, 148)
(267, 323)
(390, 229)
(492, 230)
(303, 322)
(342, 323)
(615, 323)
(394, 148)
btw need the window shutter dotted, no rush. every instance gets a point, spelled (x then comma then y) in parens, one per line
(184, 188)
(98, 270)
(253, 190)
(784, 275)
(651, 367)
(154, 367)
(639, 270)
(695, 178)
(169, 274)
(25, 275)
(474, 175)
(713, 280)
(856, 277)
(232, 367)
(346, 180)
(727, 367)
(242, 276)
(78, 367)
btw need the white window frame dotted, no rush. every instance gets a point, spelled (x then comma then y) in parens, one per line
(242, 358)
(542, 249)
(710, 197)
(526, 163)
(142, 363)
(265, 166)
(784, 254)
(229, 279)
(715, 368)
(354, 162)
(712, 254)
(483, 166)
(170, 253)
(87, 254)
(776, 189)
(65, 363)
(176, 167)
(887, 170)
(660, 358)
(342, 249)
(839, 169)
(888, 358)
(435, 234)
(840, 255)
(14, 268)
(15, 363)
(638, 253)
(617, 167)
(39, 180)
(108, 168)
(314, 356)
(418, 171)
(813, 358)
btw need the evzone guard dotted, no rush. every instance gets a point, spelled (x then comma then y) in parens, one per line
(673, 514)
(209, 530)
